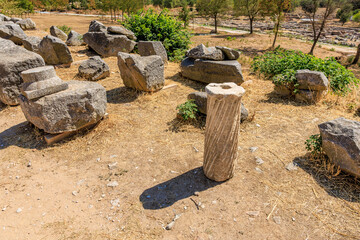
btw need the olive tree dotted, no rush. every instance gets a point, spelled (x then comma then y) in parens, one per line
(249, 8)
(213, 9)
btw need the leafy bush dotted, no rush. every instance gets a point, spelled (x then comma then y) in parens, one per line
(281, 65)
(314, 144)
(356, 17)
(188, 110)
(150, 26)
(65, 29)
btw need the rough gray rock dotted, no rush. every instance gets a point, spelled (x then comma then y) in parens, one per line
(31, 43)
(200, 99)
(15, 19)
(54, 51)
(149, 48)
(27, 24)
(141, 73)
(230, 54)
(4, 18)
(14, 60)
(341, 143)
(56, 32)
(121, 31)
(96, 26)
(75, 39)
(212, 71)
(94, 69)
(312, 80)
(108, 45)
(82, 104)
(12, 32)
(202, 52)
(309, 96)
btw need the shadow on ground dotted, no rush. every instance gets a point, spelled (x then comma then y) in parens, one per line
(179, 125)
(2, 106)
(335, 183)
(88, 52)
(273, 97)
(198, 86)
(167, 193)
(122, 95)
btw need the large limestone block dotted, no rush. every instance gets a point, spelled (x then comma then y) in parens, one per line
(206, 53)
(341, 143)
(149, 48)
(54, 51)
(212, 71)
(312, 80)
(27, 24)
(230, 54)
(56, 32)
(94, 69)
(96, 26)
(14, 60)
(141, 73)
(31, 43)
(121, 31)
(81, 104)
(108, 45)
(12, 32)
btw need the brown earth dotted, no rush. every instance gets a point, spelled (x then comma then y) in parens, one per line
(64, 193)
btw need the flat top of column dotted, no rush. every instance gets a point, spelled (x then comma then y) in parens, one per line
(38, 69)
(225, 89)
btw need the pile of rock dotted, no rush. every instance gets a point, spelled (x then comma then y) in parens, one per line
(56, 106)
(25, 24)
(312, 86)
(12, 32)
(212, 65)
(14, 60)
(94, 69)
(109, 41)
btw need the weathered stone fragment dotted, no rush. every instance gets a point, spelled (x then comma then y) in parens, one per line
(31, 43)
(141, 73)
(14, 60)
(94, 69)
(312, 80)
(75, 39)
(149, 48)
(4, 18)
(121, 31)
(15, 19)
(202, 52)
(96, 26)
(83, 103)
(341, 143)
(230, 54)
(309, 96)
(56, 32)
(212, 71)
(27, 24)
(12, 32)
(54, 51)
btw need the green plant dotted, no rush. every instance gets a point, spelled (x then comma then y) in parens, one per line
(65, 29)
(314, 144)
(281, 65)
(230, 38)
(187, 110)
(151, 26)
(332, 49)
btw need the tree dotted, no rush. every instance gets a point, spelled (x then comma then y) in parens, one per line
(310, 7)
(185, 15)
(249, 8)
(345, 13)
(213, 9)
(357, 56)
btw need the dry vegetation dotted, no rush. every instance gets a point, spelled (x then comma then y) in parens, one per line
(159, 165)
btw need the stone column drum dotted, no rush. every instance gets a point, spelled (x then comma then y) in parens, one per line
(222, 130)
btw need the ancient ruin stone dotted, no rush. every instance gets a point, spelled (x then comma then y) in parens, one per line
(82, 104)
(75, 39)
(309, 96)
(108, 45)
(121, 31)
(56, 32)
(54, 51)
(15, 19)
(341, 143)
(202, 52)
(27, 24)
(141, 73)
(4, 18)
(41, 81)
(96, 26)
(149, 48)
(12, 32)
(222, 133)
(14, 60)
(94, 69)
(230, 54)
(212, 71)
(31, 43)
(312, 80)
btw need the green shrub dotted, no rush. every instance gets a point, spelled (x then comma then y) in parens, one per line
(281, 65)
(187, 110)
(65, 29)
(356, 17)
(314, 144)
(150, 26)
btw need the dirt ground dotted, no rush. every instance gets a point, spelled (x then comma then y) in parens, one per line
(64, 193)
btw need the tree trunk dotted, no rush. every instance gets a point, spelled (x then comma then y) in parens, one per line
(316, 39)
(215, 17)
(356, 59)
(276, 32)
(251, 25)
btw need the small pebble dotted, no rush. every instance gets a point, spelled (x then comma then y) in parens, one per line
(259, 161)
(74, 193)
(19, 210)
(253, 149)
(258, 170)
(113, 184)
(98, 159)
(253, 213)
(29, 164)
(291, 167)
(277, 219)
(196, 193)
(258, 125)
(112, 166)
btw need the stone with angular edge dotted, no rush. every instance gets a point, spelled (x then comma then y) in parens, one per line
(4, 18)
(230, 54)
(141, 73)
(27, 24)
(82, 104)
(31, 43)
(108, 45)
(96, 26)
(341, 143)
(312, 80)
(309, 96)
(121, 31)
(54, 51)
(12, 32)
(15, 19)
(94, 69)
(56, 32)
(202, 52)
(212, 71)
(41, 81)
(75, 39)
(149, 48)
(14, 60)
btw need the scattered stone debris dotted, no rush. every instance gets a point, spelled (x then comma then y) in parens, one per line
(253, 149)
(259, 161)
(253, 213)
(113, 184)
(172, 223)
(291, 167)
(94, 69)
